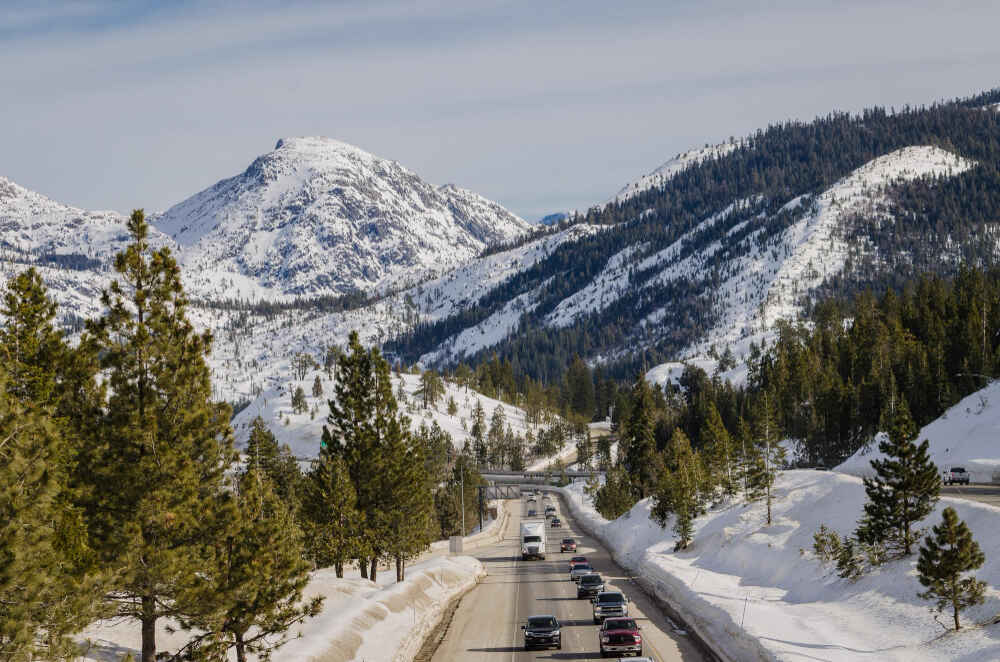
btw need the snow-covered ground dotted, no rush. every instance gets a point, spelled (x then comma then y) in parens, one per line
(758, 592)
(361, 619)
(669, 169)
(967, 435)
(302, 432)
(768, 283)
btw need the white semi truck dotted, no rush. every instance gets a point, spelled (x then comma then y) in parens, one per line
(533, 540)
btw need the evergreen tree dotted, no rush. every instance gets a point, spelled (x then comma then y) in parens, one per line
(276, 462)
(299, 404)
(678, 490)
(48, 586)
(584, 449)
(638, 442)
(331, 520)
(904, 489)
(721, 453)
(478, 433)
(157, 499)
(452, 406)
(495, 437)
(944, 559)
(41, 603)
(767, 455)
(259, 572)
(431, 388)
(616, 496)
(317, 389)
(580, 389)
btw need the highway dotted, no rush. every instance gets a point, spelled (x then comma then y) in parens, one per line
(486, 626)
(983, 492)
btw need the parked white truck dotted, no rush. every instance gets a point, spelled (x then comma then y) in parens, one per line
(533, 540)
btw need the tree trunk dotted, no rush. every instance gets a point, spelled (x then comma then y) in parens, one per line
(373, 573)
(363, 566)
(955, 607)
(241, 649)
(338, 567)
(148, 621)
(399, 568)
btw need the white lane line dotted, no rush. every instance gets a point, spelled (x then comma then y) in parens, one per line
(517, 590)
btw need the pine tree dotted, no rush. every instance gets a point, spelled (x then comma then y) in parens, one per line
(259, 573)
(299, 404)
(904, 489)
(157, 463)
(616, 496)
(452, 406)
(317, 389)
(431, 388)
(678, 489)
(41, 604)
(767, 456)
(721, 454)
(331, 520)
(478, 433)
(638, 440)
(495, 437)
(276, 462)
(48, 586)
(944, 559)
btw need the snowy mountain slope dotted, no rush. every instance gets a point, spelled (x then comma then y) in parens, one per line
(767, 282)
(752, 263)
(34, 225)
(317, 216)
(967, 435)
(254, 352)
(671, 168)
(302, 432)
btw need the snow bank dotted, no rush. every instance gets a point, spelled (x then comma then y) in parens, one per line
(967, 435)
(756, 592)
(361, 620)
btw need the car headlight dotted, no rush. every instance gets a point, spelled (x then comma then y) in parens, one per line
(604, 639)
(556, 633)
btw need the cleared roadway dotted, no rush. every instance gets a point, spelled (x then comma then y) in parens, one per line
(487, 624)
(976, 492)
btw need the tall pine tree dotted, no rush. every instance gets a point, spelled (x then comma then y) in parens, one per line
(945, 557)
(904, 489)
(158, 498)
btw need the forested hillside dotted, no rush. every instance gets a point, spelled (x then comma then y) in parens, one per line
(674, 245)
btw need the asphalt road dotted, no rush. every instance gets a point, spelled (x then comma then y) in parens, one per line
(986, 493)
(487, 624)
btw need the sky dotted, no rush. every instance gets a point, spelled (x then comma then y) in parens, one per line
(544, 106)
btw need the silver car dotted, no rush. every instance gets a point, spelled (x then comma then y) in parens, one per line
(579, 571)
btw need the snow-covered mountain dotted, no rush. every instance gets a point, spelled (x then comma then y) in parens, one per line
(317, 216)
(673, 166)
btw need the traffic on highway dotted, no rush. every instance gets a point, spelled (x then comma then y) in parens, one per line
(554, 593)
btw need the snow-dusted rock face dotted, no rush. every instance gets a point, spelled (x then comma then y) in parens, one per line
(317, 216)
(32, 225)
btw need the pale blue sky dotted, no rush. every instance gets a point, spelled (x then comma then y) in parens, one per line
(541, 105)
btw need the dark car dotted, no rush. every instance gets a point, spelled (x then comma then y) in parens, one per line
(589, 586)
(556, 523)
(579, 570)
(542, 632)
(532, 513)
(620, 635)
(567, 545)
(610, 604)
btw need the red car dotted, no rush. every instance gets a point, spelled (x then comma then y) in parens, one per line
(567, 545)
(620, 635)
(577, 560)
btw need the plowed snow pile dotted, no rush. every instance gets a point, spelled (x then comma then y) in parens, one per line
(739, 571)
(361, 620)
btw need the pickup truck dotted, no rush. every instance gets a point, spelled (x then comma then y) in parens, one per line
(956, 475)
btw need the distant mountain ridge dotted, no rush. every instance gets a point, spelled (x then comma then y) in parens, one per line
(317, 216)
(715, 247)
